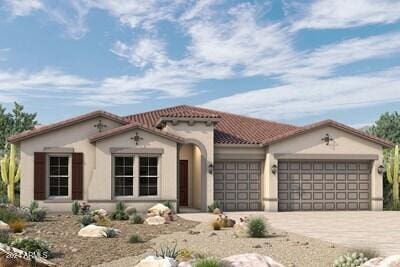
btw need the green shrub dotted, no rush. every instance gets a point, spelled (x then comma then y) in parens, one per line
(207, 262)
(75, 207)
(354, 259)
(8, 215)
(119, 213)
(34, 205)
(257, 227)
(38, 215)
(33, 245)
(213, 206)
(5, 237)
(110, 233)
(84, 208)
(168, 250)
(85, 220)
(136, 219)
(135, 238)
(169, 205)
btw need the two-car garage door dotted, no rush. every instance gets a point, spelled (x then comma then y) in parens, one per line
(323, 185)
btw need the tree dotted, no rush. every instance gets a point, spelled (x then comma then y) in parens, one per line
(14, 122)
(387, 127)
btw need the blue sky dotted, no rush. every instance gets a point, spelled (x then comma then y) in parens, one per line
(291, 61)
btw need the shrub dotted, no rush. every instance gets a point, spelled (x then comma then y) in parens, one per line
(85, 220)
(84, 208)
(136, 219)
(110, 233)
(34, 245)
(216, 225)
(119, 213)
(34, 205)
(185, 255)
(17, 226)
(135, 238)
(9, 214)
(169, 205)
(101, 220)
(257, 227)
(168, 250)
(75, 207)
(213, 206)
(38, 215)
(207, 262)
(351, 259)
(5, 237)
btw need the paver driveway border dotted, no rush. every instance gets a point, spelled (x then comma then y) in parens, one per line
(379, 230)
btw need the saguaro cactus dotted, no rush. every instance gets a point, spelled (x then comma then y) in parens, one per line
(392, 174)
(10, 172)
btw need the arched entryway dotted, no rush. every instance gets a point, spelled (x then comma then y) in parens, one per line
(192, 176)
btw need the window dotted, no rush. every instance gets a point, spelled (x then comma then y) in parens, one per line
(148, 176)
(123, 176)
(58, 175)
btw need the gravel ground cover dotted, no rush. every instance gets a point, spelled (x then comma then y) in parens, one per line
(60, 231)
(290, 249)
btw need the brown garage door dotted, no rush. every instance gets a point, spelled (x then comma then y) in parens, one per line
(324, 185)
(237, 184)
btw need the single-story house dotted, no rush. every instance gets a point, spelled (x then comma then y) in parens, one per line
(193, 156)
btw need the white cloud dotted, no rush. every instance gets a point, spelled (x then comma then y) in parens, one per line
(314, 96)
(329, 14)
(23, 7)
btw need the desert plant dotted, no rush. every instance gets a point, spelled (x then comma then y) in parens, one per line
(84, 208)
(34, 245)
(8, 215)
(169, 205)
(392, 173)
(213, 206)
(75, 207)
(38, 215)
(257, 227)
(168, 251)
(85, 220)
(110, 233)
(101, 221)
(354, 259)
(17, 226)
(34, 205)
(185, 255)
(207, 262)
(119, 213)
(10, 172)
(136, 219)
(5, 237)
(216, 225)
(135, 238)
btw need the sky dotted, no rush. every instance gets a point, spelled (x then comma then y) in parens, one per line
(285, 60)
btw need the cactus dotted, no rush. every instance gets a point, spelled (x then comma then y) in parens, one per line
(392, 174)
(10, 172)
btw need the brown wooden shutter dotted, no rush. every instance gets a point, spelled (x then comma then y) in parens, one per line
(39, 183)
(77, 176)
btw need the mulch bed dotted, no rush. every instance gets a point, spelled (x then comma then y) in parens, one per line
(61, 232)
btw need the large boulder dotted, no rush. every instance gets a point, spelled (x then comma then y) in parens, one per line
(153, 261)
(392, 261)
(93, 231)
(155, 220)
(249, 260)
(4, 226)
(158, 209)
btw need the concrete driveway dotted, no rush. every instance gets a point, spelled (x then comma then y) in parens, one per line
(377, 230)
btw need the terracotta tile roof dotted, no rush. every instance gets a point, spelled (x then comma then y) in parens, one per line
(54, 126)
(231, 128)
(326, 123)
(131, 126)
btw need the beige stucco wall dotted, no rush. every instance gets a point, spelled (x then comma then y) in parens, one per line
(75, 136)
(310, 143)
(196, 185)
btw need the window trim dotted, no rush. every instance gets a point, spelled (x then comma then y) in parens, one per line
(134, 177)
(69, 196)
(158, 175)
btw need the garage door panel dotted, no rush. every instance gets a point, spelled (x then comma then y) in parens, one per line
(237, 184)
(323, 185)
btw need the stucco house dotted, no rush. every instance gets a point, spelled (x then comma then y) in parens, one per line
(192, 156)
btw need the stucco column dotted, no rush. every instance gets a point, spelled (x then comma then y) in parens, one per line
(270, 189)
(376, 186)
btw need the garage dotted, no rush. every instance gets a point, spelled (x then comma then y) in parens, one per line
(312, 185)
(237, 184)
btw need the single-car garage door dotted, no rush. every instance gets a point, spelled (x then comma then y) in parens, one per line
(237, 184)
(324, 185)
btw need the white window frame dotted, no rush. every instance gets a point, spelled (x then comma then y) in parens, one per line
(69, 156)
(134, 185)
(158, 175)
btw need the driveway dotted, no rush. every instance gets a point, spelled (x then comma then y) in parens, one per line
(378, 230)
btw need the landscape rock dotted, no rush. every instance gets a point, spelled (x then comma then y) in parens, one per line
(158, 210)
(249, 260)
(153, 261)
(130, 210)
(392, 261)
(155, 220)
(92, 231)
(240, 229)
(4, 226)
(100, 212)
(217, 211)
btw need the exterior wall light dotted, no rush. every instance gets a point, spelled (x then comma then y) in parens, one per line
(274, 169)
(381, 169)
(210, 168)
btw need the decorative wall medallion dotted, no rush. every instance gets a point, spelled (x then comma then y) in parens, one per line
(100, 126)
(327, 139)
(136, 138)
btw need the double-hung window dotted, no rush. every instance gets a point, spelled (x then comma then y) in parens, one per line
(123, 176)
(58, 176)
(148, 176)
